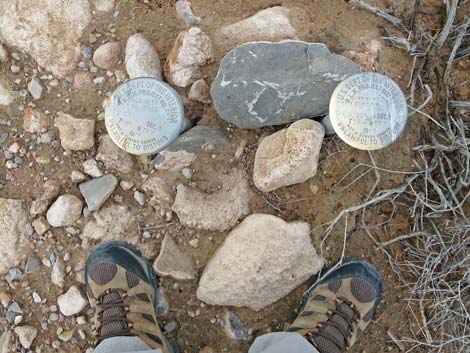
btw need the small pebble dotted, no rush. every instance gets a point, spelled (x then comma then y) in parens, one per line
(139, 197)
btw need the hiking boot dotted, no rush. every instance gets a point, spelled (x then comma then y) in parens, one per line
(338, 309)
(122, 289)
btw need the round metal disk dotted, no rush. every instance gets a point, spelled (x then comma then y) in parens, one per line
(144, 116)
(368, 111)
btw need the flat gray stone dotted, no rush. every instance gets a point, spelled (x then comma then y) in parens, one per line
(184, 150)
(97, 191)
(264, 84)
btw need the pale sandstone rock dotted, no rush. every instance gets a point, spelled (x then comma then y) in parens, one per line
(160, 192)
(50, 191)
(289, 156)
(261, 261)
(173, 262)
(110, 223)
(13, 220)
(48, 30)
(113, 157)
(192, 49)
(141, 58)
(271, 24)
(107, 55)
(26, 335)
(218, 211)
(41, 225)
(65, 211)
(75, 134)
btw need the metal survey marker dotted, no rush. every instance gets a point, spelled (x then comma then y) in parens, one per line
(368, 111)
(144, 116)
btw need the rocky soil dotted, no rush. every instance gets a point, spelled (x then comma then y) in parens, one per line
(238, 181)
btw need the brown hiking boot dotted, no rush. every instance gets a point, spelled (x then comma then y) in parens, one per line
(338, 309)
(122, 288)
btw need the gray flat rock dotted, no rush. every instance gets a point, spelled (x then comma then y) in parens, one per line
(97, 191)
(264, 84)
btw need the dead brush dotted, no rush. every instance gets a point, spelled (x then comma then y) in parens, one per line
(435, 265)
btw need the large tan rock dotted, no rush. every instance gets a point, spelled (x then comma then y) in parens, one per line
(13, 219)
(75, 134)
(271, 24)
(289, 156)
(192, 49)
(48, 30)
(261, 261)
(218, 211)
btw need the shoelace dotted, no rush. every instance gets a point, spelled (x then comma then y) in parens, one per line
(111, 315)
(333, 321)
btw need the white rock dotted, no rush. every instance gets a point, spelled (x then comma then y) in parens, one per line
(289, 156)
(7, 342)
(271, 24)
(72, 302)
(75, 134)
(218, 211)
(26, 335)
(6, 95)
(90, 167)
(58, 273)
(184, 11)
(192, 49)
(35, 88)
(113, 157)
(65, 211)
(107, 55)
(13, 220)
(200, 91)
(14, 148)
(104, 5)
(48, 30)
(173, 262)
(141, 58)
(261, 261)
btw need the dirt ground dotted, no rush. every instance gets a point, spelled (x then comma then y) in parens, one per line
(334, 22)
